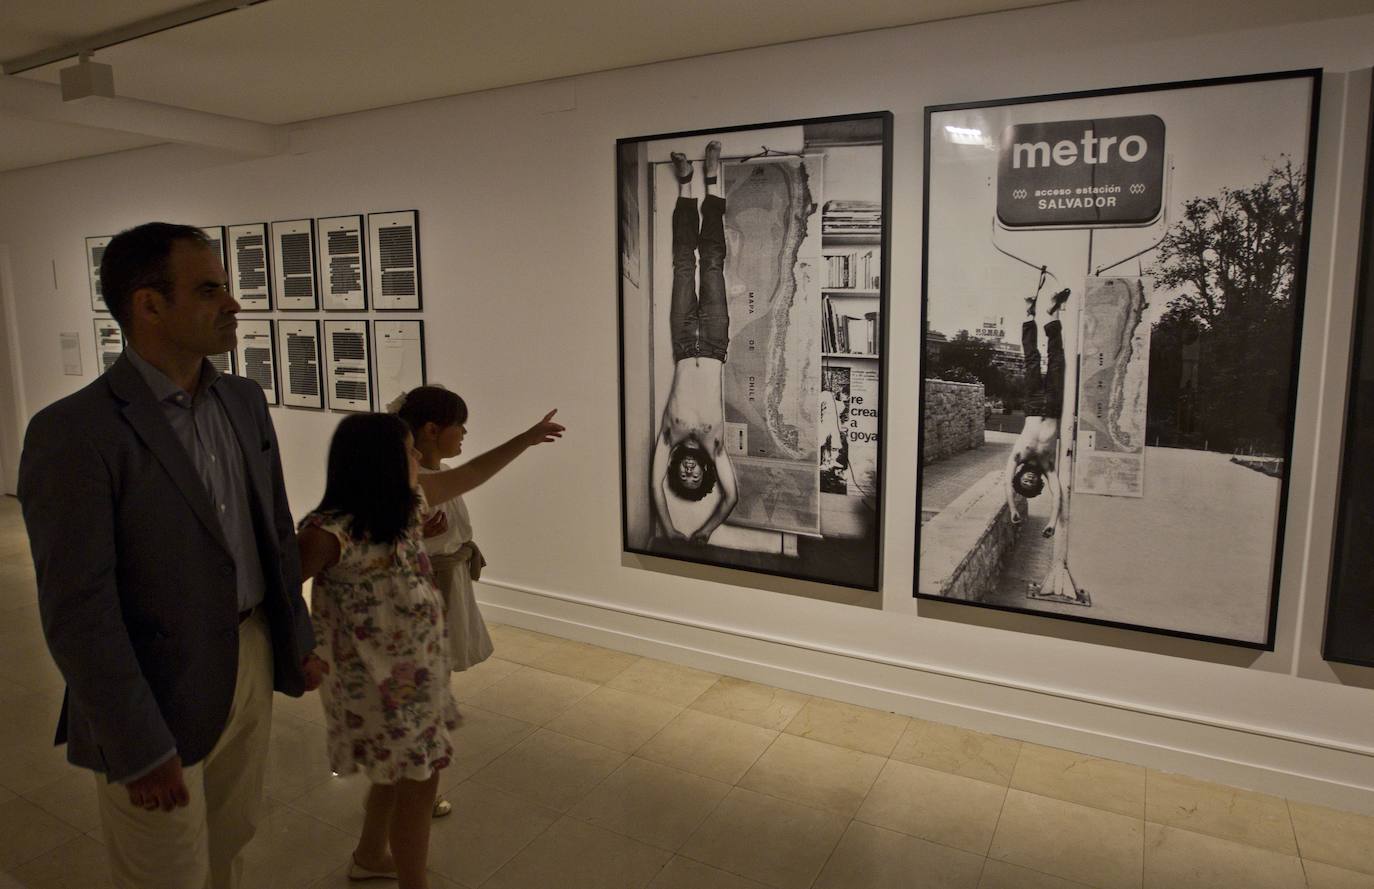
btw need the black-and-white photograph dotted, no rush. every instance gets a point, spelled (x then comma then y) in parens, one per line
(1112, 302)
(753, 296)
(249, 281)
(109, 343)
(1350, 608)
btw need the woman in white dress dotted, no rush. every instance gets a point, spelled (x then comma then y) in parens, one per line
(438, 418)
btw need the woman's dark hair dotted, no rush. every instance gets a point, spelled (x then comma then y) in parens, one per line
(682, 451)
(432, 404)
(369, 477)
(136, 258)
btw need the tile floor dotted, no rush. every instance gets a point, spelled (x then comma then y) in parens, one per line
(582, 767)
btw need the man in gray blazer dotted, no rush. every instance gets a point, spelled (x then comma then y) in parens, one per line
(168, 573)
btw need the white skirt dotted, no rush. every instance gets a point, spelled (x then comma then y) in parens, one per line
(469, 641)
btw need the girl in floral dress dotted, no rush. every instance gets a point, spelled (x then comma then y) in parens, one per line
(379, 623)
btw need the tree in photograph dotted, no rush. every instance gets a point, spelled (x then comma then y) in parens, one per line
(1232, 262)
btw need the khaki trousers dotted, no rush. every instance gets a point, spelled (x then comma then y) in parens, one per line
(200, 845)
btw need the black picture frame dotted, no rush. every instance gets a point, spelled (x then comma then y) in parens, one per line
(1349, 633)
(335, 399)
(286, 276)
(257, 327)
(250, 298)
(109, 342)
(352, 301)
(285, 378)
(837, 542)
(384, 394)
(94, 250)
(375, 257)
(1175, 105)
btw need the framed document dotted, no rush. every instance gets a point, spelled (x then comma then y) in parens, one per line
(399, 347)
(303, 381)
(348, 373)
(215, 234)
(109, 343)
(249, 281)
(342, 272)
(293, 259)
(257, 355)
(393, 254)
(95, 251)
(223, 362)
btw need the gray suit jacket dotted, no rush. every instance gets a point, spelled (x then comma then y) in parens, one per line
(136, 586)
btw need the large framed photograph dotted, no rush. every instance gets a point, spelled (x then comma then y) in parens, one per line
(1350, 608)
(753, 306)
(1112, 303)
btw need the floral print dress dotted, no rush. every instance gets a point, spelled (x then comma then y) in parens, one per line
(379, 624)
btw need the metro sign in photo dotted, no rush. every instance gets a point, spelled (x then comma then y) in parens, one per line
(1081, 173)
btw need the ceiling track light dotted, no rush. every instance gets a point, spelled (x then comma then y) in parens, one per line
(87, 78)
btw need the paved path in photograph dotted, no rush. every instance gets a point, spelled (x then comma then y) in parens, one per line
(1194, 554)
(945, 480)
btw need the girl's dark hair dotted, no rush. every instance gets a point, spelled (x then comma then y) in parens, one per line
(369, 477)
(432, 404)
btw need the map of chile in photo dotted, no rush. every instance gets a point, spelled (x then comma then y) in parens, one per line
(1081, 172)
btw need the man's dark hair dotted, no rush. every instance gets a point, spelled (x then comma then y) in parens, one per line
(1027, 480)
(432, 404)
(368, 478)
(682, 451)
(137, 258)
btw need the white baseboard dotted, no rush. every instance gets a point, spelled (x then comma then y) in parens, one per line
(1308, 769)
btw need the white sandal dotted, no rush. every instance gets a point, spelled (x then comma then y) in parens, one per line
(442, 807)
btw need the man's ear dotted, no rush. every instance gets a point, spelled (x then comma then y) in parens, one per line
(148, 304)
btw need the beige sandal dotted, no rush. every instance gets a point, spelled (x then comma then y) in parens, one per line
(442, 807)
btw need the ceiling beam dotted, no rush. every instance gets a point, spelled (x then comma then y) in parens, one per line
(43, 101)
(123, 34)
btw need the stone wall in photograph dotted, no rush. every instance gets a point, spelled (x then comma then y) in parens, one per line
(954, 419)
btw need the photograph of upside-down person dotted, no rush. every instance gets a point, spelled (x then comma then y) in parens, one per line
(751, 308)
(1107, 404)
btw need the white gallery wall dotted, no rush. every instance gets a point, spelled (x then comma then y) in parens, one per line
(516, 194)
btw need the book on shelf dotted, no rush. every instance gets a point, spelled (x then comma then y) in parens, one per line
(852, 218)
(845, 333)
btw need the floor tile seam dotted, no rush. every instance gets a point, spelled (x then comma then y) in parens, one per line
(721, 867)
(674, 851)
(914, 765)
(932, 841)
(599, 682)
(518, 851)
(678, 709)
(831, 855)
(1080, 802)
(839, 747)
(796, 802)
(1227, 838)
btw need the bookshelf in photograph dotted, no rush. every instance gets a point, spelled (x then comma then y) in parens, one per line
(95, 251)
(109, 343)
(303, 379)
(343, 276)
(393, 256)
(851, 346)
(256, 353)
(293, 259)
(399, 347)
(249, 282)
(348, 373)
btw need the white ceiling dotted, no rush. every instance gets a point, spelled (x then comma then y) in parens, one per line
(284, 61)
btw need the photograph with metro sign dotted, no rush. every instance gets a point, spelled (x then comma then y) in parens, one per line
(1112, 302)
(753, 293)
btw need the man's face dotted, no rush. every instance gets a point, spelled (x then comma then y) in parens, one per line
(198, 316)
(1029, 480)
(691, 473)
